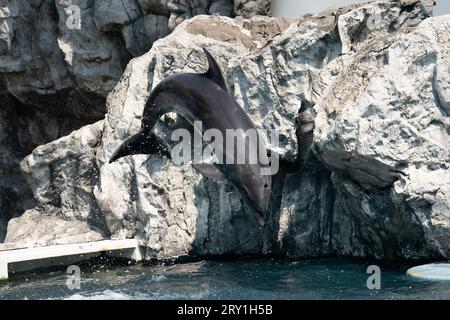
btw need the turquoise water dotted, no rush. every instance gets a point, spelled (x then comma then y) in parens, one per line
(255, 279)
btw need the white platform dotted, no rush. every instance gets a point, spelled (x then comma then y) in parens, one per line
(19, 260)
(431, 272)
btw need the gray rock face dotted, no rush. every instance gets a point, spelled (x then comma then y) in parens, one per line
(64, 49)
(306, 220)
(61, 173)
(36, 228)
(59, 59)
(360, 97)
(386, 128)
(248, 8)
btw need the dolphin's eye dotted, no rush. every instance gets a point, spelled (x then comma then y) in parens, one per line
(266, 186)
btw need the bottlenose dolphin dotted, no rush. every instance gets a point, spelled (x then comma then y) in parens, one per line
(206, 98)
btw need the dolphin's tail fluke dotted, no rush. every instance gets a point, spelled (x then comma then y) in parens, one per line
(141, 143)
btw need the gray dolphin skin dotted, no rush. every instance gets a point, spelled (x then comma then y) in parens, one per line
(205, 97)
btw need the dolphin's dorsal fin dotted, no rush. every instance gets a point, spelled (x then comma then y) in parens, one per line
(214, 72)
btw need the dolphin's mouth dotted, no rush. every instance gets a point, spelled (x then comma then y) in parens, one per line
(260, 220)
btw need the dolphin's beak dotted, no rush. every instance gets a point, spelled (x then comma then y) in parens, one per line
(260, 220)
(131, 146)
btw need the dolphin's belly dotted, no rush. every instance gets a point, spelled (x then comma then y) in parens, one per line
(204, 103)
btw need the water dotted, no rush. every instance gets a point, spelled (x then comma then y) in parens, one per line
(256, 279)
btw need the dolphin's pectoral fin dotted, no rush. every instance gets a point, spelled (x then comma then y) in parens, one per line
(214, 72)
(210, 171)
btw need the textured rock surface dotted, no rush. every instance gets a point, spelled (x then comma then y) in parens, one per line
(75, 49)
(56, 70)
(359, 94)
(36, 228)
(61, 174)
(389, 134)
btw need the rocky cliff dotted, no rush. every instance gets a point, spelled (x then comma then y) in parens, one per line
(360, 96)
(59, 59)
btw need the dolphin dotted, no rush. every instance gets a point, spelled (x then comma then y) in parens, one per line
(205, 97)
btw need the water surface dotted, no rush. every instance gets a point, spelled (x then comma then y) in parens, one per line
(248, 279)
